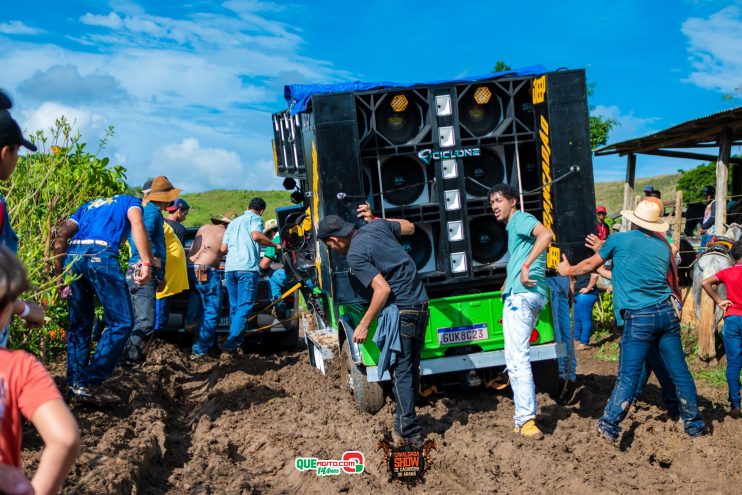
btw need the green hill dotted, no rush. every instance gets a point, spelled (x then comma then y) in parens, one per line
(216, 203)
(610, 194)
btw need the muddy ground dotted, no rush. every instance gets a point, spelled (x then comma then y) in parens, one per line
(231, 428)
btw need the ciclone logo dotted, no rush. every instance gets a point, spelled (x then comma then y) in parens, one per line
(351, 462)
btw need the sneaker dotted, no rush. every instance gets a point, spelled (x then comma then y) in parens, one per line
(529, 429)
(414, 442)
(92, 395)
(735, 413)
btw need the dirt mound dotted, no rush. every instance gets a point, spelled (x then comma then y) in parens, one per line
(232, 428)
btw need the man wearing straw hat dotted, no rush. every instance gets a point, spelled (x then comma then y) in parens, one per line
(156, 198)
(642, 302)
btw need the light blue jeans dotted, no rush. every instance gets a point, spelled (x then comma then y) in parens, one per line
(519, 318)
(559, 291)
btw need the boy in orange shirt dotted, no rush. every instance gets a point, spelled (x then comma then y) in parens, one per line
(27, 390)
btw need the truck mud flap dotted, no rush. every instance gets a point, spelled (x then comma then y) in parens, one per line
(472, 361)
(322, 343)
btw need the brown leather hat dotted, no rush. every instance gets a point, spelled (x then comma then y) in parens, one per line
(224, 220)
(162, 190)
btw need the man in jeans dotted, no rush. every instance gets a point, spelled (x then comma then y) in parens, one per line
(641, 298)
(143, 296)
(242, 241)
(205, 254)
(525, 295)
(732, 333)
(378, 261)
(97, 229)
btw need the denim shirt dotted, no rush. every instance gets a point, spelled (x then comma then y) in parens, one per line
(387, 338)
(8, 237)
(153, 224)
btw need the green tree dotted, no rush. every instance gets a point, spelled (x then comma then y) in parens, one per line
(691, 182)
(45, 189)
(501, 66)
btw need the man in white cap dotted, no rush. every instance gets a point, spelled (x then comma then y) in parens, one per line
(643, 304)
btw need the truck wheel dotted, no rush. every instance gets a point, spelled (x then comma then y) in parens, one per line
(368, 396)
(546, 376)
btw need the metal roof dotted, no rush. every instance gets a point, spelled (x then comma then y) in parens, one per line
(702, 132)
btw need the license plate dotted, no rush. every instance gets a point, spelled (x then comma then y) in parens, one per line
(224, 322)
(468, 333)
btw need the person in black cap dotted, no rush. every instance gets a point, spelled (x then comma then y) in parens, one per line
(11, 139)
(708, 224)
(177, 212)
(378, 261)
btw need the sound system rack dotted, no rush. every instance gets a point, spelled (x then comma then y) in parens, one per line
(429, 154)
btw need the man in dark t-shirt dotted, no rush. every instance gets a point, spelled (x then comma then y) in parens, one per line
(378, 261)
(177, 212)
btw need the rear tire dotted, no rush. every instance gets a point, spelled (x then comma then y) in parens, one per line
(368, 396)
(546, 376)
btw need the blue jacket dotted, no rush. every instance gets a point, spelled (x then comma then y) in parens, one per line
(387, 338)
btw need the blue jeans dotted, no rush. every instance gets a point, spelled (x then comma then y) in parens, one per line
(162, 313)
(559, 291)
(584, 315)
(277, 281)
(242, 287)
(100, 277)
(653, 334)
(143, 298)
(209, 293)
(406, 371)
(732, 337)
(195, 311)
(705, 239)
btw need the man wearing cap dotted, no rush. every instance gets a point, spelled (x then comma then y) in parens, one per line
(241, 242)
(204, 258)
(648, 191)
(11, 139)
(177, 211)
(603, 230)
(643, 304)
(277, 277)
(378, 261)
(143, 296)
(708, 225)
(97, 230)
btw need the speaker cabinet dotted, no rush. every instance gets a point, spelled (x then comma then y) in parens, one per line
(397, 181)
(288, 148)
(390, 119)
(485, 170)
(489, 241)
(421, 246)
(481, 109)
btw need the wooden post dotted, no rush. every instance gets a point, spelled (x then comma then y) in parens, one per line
(722, 174)
(628, 188)
(678, 219)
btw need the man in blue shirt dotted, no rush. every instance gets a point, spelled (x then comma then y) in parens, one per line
(241, 242)
(642, 302)
(525, 296)
(97, 230)
(143, 296)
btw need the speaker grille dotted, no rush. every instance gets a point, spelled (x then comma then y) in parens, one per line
(403, 180)
(489, 239)
(486, 169)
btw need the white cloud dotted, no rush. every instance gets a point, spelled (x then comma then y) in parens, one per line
(43, 117)
(112, 20)
(18, 27)
(715, 45)
(197, 167)
(629, 125)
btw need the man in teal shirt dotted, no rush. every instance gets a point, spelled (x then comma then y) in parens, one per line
(525, 295)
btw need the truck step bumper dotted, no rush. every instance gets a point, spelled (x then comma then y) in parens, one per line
(472, 361)
(322, 344)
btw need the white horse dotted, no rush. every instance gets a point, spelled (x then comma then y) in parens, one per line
(708, 316)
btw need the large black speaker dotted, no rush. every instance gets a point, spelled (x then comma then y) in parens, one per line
(489, 240)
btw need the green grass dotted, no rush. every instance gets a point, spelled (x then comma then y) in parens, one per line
(608, 352)
(713, 376)
(216, 203)
(610, 194)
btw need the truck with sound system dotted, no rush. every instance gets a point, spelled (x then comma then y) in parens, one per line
(428, 153)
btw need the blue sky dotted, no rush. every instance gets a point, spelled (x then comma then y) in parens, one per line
(190, 86)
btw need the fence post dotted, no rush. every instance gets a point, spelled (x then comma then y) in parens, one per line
(678, 219)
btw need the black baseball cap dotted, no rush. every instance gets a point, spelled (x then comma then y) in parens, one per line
(334, 225)
(10, 132)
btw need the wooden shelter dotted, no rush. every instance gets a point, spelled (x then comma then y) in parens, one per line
(720, 130)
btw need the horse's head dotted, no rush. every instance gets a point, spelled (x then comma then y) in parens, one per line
(734, 231)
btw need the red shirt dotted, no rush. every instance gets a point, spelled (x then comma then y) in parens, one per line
(24, 386)
(732, 278)
(603, 231)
